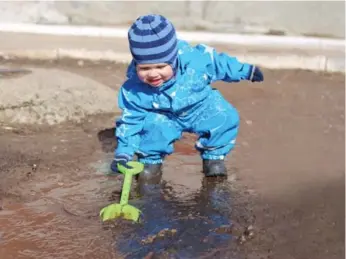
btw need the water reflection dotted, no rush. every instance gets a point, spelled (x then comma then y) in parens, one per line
(176, 227)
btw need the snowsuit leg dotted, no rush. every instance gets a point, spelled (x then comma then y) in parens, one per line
(157, 138)
(217, 127)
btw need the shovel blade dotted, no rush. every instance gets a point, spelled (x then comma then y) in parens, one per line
(114, 211)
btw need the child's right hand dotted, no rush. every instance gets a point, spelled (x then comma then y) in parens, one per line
(120, 159)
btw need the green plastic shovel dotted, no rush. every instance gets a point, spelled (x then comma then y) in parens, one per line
(124, 210)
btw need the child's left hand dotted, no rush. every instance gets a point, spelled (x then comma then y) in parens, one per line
(256, 74)
(121, 159)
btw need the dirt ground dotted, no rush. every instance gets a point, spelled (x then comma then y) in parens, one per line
(286, 180)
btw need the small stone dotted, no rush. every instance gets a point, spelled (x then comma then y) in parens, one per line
(249, 232)
(249, 228)
(80, 63)
(242, 239)
(248, 122)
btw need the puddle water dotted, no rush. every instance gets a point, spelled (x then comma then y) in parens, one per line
(29, 233)
(178, 228)
(64, 222)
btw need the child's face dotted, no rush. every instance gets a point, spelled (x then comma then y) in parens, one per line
(154, 74)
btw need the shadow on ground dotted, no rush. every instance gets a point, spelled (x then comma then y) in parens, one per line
(107, 139)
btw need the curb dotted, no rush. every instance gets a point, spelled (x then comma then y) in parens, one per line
(319, 63)
(206, 37)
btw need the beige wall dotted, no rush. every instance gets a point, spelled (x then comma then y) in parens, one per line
(290, 17)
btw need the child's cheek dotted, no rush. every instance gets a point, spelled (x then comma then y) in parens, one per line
(167, 75)
(141, 76)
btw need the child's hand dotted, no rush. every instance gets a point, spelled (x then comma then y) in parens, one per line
(120, 159)
(256, 74)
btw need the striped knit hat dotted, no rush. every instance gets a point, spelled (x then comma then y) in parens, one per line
(152, 39)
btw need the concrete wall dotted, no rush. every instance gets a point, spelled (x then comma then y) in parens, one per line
(318, 18)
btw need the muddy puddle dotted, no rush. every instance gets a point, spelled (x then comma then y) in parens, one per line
(170, 227)
(29, 233)
(62, 224)
(176, 227)
(61, 219)
(192, 223)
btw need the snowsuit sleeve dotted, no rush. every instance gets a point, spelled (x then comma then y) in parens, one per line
(130, 123)
(222, 66)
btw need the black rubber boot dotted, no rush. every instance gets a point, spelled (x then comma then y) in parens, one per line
(149, 180)
(214, 168)
(151, 174)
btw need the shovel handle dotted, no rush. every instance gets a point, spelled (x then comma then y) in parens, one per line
(125, 192)
(128, 173)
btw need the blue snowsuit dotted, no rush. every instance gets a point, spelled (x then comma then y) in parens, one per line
(153, 118)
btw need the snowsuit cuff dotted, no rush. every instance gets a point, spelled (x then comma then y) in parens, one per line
(213, 157)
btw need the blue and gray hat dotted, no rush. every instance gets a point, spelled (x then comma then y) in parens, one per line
(152, 39)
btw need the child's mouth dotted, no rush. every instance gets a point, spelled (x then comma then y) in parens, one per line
(155, 82)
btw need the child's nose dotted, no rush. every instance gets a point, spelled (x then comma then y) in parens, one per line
(153, 73)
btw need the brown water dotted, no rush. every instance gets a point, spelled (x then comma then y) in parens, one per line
(53, 228)
(180, 228)
(64, 222)
(72, 229)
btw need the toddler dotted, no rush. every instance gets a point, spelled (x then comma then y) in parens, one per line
(168, 91)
